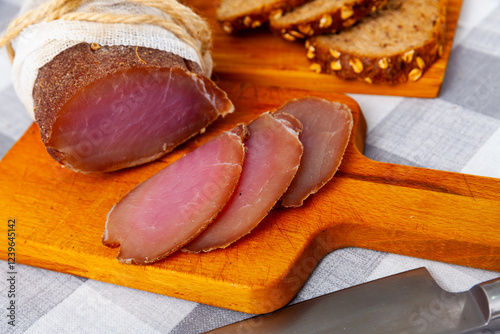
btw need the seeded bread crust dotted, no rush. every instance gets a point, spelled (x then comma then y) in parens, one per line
(408, 65)
(254, 17)
(76, 67)
(332, 21)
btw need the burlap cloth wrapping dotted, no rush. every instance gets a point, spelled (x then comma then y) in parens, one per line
(160, 24)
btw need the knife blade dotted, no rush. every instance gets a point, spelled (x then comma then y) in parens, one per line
(406, 303)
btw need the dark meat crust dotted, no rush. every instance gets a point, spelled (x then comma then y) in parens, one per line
(76, 67)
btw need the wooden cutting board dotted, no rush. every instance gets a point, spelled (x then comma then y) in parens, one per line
(268, 59)
(424, 213)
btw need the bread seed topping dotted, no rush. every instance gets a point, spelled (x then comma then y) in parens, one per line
(357, 65)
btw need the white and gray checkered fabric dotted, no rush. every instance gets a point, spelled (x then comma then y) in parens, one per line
(459, 132)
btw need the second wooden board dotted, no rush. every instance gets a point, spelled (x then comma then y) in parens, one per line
(268, 59)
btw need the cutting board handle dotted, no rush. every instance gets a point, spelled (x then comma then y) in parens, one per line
(425, 213)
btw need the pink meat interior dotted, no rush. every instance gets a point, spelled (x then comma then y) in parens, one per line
(131, 117)
(164, 212)
(272, 159)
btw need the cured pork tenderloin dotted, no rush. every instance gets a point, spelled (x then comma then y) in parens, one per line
(110, 107)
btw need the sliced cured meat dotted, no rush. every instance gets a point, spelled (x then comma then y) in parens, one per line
(273, 157)
(327, 128)
(109, 107)
(164, 212)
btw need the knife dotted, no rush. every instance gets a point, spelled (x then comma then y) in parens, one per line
(405, 303)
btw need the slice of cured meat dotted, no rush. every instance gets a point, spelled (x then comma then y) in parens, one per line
(273, 157)
(327, 128)
(103, 108)
(164, 212)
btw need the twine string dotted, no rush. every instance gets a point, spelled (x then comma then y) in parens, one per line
(186, 25)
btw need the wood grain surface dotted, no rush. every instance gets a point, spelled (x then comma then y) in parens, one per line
(268, 59)
(430, 214)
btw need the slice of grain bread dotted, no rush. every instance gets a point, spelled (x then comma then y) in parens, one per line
(393, 45)
(236, 15)
(322, 16)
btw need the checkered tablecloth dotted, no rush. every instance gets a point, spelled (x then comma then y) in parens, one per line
(459, 132)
